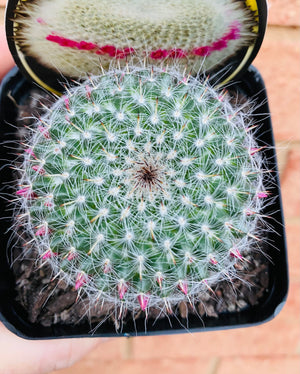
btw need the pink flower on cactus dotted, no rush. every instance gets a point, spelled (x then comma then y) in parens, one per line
(107, 49)
(122, 53)
(202, 51)
(63, 42)
(177, 53)
(234, 32)
(159, 54)
(219, 45)
(86, 46)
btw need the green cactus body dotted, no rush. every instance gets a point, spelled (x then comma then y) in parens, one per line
(72, 36)
(142, 187)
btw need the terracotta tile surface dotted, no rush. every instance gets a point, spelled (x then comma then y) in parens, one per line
(284, 12)
(274, 347)
(254, 344)
(276, 365)
(278, 62)
(253, 341)
(290, 183)
(150, 366)
(293, 233)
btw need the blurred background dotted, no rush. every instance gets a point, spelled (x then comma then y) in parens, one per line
(271, 348)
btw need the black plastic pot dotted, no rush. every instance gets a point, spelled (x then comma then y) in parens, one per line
(15, 318)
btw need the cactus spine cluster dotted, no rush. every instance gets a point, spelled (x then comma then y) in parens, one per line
(142, 187)
(72, 36)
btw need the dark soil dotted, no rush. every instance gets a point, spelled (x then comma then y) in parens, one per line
(50, 301)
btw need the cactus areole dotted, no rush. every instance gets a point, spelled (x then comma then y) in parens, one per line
(142, 188)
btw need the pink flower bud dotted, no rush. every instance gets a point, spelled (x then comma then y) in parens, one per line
(81, 279)
(30, 152)
(212, 260)
(48, 254)
(159, 280)
(261, 195)
(67, 103)
(183, 286)
(72, 255)
(88, 90)
(143, 300)
(249, 212)
(26, 192)
(43, 230)
(41, 21)
(107, 266)
(122, 289)
(234, 252)
(38, 169)
(254, 150)
(44, 131)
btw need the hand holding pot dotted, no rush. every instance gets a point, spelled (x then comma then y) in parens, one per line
(19, 356)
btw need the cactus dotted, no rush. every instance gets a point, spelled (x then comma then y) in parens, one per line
(142, 188)
(71, 36)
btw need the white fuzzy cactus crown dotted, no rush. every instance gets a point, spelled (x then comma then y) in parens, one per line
(72, 36)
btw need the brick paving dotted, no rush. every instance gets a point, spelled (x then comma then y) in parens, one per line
(272, 348)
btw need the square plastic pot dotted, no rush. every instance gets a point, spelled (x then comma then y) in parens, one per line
(15, 317)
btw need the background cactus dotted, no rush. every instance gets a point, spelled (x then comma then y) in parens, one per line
(72, 36)
(142, 188)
